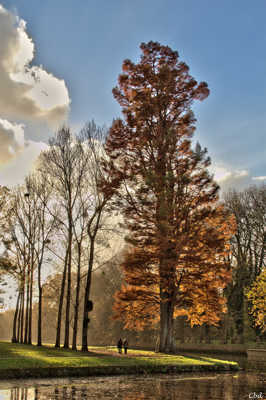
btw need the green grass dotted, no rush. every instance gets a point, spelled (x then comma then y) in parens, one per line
(20, 356)
(218, 343)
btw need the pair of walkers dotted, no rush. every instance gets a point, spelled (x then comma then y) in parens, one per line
(122, 343)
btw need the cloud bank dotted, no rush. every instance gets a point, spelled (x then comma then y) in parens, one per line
(28, 93)
(229, 178)
(11, 140)
(259, 178)
(14, 172)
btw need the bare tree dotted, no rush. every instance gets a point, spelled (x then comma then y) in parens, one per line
(27, 231)
(65, 166)
(45, 224)
(18, 249)
(79, 228)
(93, 138)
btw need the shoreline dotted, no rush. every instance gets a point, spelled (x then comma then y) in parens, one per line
(78, 372)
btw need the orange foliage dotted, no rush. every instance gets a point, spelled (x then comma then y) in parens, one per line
(175, 263)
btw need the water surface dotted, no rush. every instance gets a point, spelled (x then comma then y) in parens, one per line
(225, 386)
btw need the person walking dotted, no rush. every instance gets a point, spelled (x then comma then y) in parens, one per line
(119, 345)
(125, 344)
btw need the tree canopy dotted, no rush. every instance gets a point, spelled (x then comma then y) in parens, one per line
(177, 232)
(257, 297)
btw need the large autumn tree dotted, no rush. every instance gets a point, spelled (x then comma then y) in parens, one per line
(177, 233)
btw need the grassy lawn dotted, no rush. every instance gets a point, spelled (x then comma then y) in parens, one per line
(17, 356)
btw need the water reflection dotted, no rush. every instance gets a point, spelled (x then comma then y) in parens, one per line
(157, 387)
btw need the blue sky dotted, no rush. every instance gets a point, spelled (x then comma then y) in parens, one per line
(84, 43)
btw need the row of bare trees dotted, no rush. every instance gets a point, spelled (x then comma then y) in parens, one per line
(30, 227)
(58, 214)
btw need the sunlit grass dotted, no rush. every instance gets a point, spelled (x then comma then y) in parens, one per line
(216, 360)
(13, 356)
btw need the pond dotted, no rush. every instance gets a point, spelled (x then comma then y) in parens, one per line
(224, 386)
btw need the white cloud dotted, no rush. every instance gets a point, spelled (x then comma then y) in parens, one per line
(11, 140)
(259, 178)
(27, 92)
(229, 178)
(224, 172)
(15, 171)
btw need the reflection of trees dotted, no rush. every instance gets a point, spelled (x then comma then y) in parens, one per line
(83, 393)
(56, 393)
(73, 392)
(167, 387)
(22, 394)
(36, 392)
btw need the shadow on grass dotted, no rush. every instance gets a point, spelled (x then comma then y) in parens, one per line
(16, 355)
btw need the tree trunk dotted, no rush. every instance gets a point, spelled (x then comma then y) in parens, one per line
(86, 299)
(39, 333)
(15, 337)
(75, 328)
(39, 339)
(22, 311)
(166, 267)
(27, 308)
(166, 326)
(30, 306)
(19, 318)
(167, 293)
(67, 320)
(239, 318)
(207, 334)
(61, 300)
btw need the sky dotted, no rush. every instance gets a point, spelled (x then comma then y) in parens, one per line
(59, 61)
